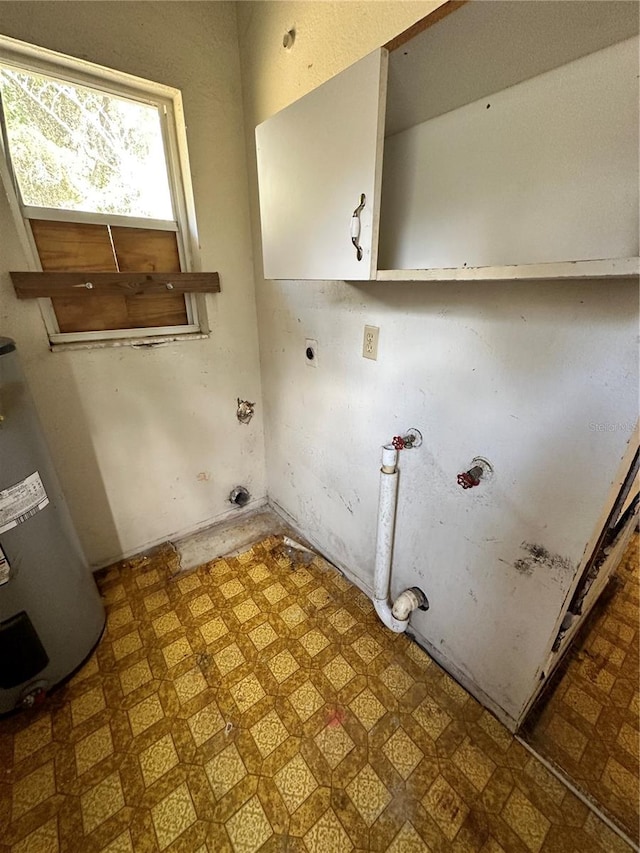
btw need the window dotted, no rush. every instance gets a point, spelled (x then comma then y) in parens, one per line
(96, 169)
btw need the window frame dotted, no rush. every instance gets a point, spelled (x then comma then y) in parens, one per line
(39, 60)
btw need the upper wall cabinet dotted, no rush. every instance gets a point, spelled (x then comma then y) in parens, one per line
(491, 141)
(319, 165)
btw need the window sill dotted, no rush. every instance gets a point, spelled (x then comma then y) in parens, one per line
(149, 342)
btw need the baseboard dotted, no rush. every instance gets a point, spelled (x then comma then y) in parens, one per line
(304, 538)
(252, 506)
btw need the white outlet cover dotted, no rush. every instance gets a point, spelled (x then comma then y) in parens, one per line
(370, 342)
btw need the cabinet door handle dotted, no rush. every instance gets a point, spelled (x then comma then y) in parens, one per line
(355, 227)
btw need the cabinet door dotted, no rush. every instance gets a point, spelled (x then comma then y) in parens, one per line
(316, 158)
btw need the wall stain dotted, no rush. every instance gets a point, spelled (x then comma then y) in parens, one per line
(539, 557)
(245, 411)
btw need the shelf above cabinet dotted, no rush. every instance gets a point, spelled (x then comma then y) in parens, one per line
(618, 268)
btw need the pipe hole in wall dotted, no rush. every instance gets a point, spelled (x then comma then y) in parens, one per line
(239, 497)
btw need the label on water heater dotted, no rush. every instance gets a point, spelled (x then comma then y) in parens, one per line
(21, 502)
(5, 568)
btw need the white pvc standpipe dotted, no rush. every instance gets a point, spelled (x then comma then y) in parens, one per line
(384, 540)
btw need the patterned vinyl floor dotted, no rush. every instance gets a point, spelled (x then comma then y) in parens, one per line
(258, 705)
(589, 724)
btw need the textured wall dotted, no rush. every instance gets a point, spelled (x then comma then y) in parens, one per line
(146, 443)
(517, 373)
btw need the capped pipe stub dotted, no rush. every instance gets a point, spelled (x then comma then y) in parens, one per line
(389, 458)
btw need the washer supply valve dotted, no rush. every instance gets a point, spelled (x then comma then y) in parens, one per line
(469, 479)
(478, 470)
(412, 439)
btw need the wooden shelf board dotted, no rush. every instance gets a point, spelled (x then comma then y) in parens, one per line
(613, 268)
(35, 285)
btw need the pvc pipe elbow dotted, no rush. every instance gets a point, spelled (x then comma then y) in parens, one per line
(383, 609)
(407, 602)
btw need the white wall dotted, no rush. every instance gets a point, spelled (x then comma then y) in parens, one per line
(523, 374)
(146, 443)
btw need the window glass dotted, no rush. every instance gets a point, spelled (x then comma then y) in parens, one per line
(76, 148)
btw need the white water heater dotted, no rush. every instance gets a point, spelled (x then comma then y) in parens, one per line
(51, 614)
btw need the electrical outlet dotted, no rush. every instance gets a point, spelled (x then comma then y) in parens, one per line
(370, 342)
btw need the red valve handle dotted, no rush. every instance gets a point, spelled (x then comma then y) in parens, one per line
(398, 442)
(467, 480)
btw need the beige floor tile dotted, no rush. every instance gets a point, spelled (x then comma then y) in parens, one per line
(283, 665)
(177, 651)
(126, 645)
(92, 749)
(173, 815)
(33, 789)
(367, 708)
(328, 835)
(158, 759)
(263, 636)
(247, 692)
(213, 630)
(101, 802)
(525, 820)
(369, 795)
(229, 658)
(205, 723)
(407, 841)
(44, 839)
(190, 685)
(397, 680)
(306, 700)
(433, 719)
(475, 765)
(249, 828)
(269, 733)
(145, 714)
(313, 642)
(403, 753)
(296, 782)
(121, 844)
(446, 807)
(87, 705)
(339, 672)
(367, 648)
(32, 739)
(135, 676)
(225, 770)
(334, 743)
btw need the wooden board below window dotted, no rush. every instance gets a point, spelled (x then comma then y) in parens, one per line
(145, 250)
(65, 246)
